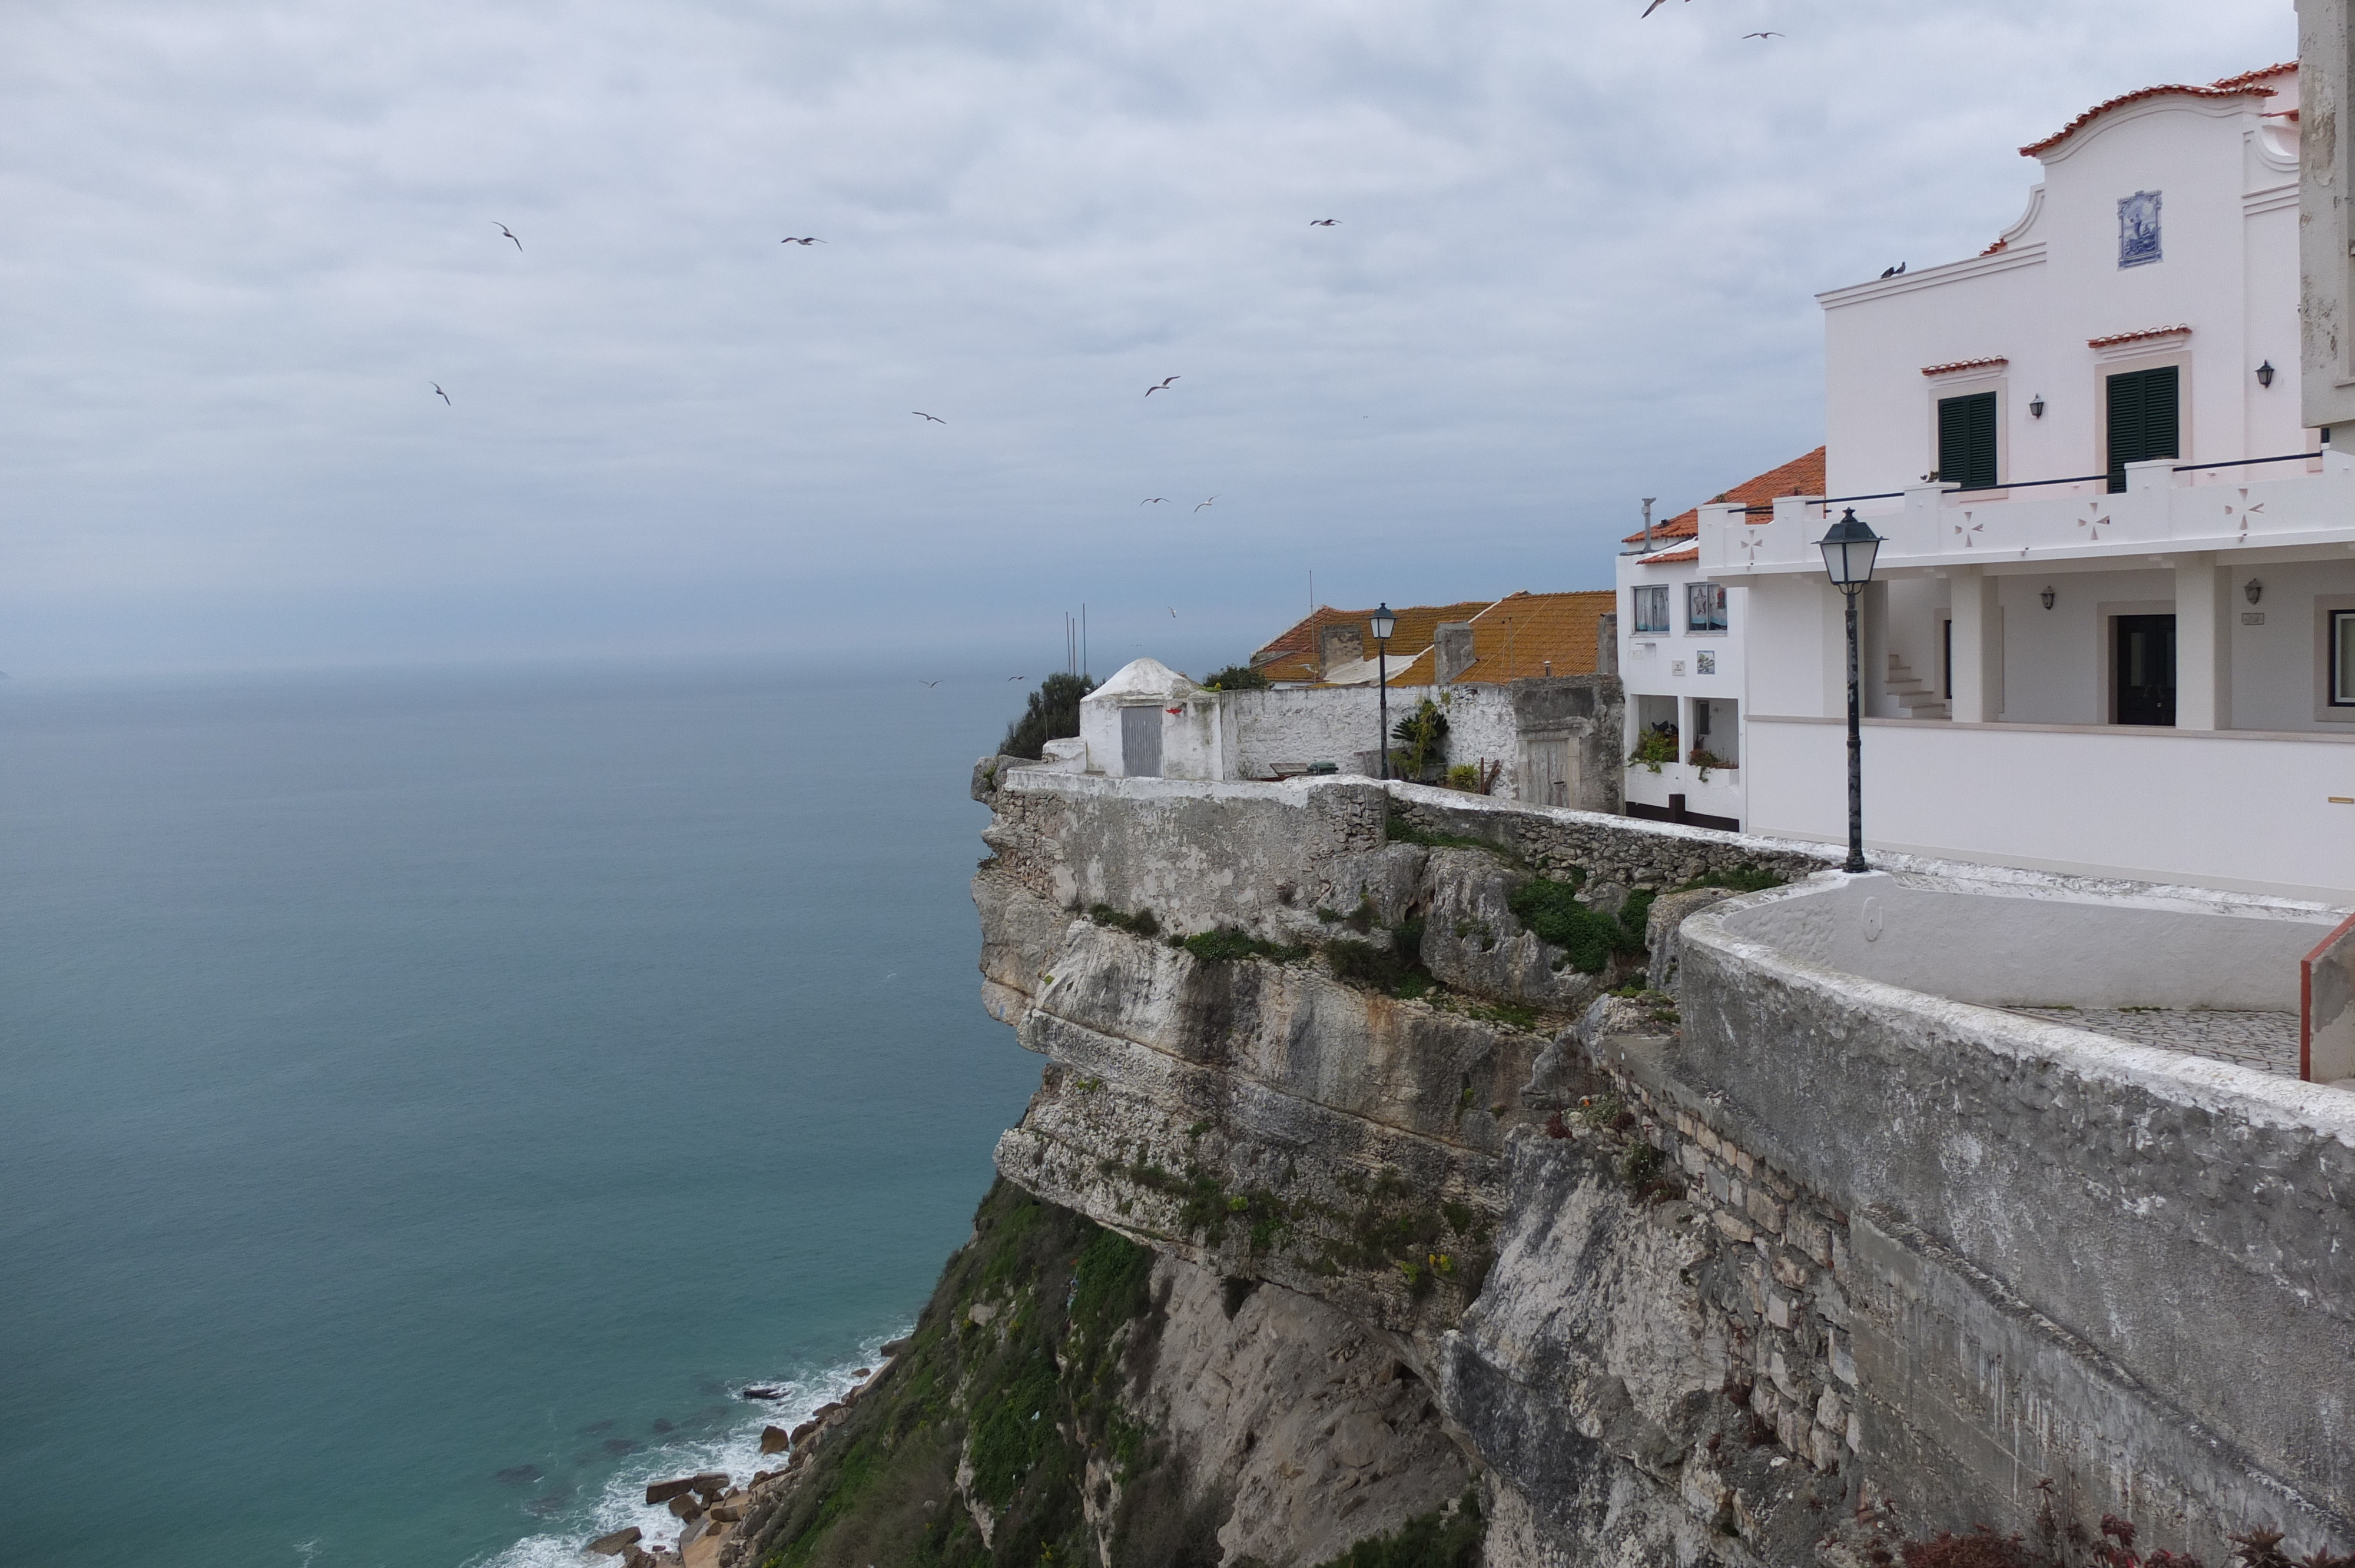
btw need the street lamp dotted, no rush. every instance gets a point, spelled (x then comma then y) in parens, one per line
(1384, 624)
(1848, 549)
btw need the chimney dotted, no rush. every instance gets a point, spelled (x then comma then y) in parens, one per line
(1455, 655)
(1344, 645)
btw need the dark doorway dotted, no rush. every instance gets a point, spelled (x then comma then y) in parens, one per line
(2145, 420)
(2145, 662)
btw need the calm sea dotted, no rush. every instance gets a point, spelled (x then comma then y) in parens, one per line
(431, 1097)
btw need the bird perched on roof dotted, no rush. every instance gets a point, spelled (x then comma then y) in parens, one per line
(439, 393)
(503, 228)
(1160, 385)
(935, 418)
(1896, 271)
(801, 240)
(1324, 223)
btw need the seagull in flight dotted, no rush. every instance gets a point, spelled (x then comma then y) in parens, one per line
(1017, 677)
(935, 418)
(1154, 501)
(439, 393)
(1173, 611)
(1160, 385)
(1762, 35)
(801, 240)
(1206, 504)
(1655, 5)
(928, 682)
(510, 233)
(1324, 222)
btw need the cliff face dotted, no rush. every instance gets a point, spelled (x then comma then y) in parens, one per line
(1369, 1161)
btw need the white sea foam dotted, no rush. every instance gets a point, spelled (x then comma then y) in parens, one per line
(623, 1500)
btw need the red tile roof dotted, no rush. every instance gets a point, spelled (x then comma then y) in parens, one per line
(1954, 364)
(1802, 475)
(1517, 636)
(2118, 337)
(1671, 558)
(2248, 84)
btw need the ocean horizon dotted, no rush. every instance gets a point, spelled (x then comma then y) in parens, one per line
(441, 1093)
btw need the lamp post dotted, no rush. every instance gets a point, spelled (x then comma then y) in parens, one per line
(1384, 624)
(1848, 549)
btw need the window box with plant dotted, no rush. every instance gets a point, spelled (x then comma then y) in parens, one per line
(1655, 746)
(1705, 759)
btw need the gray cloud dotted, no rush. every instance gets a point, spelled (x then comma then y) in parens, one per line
(1575, 266)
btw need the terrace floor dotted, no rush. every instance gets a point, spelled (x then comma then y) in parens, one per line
(2266, 1041)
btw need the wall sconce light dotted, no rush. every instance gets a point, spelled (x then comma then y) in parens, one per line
(2036, 407)
(2265, 374)
(2255, 590)
(2046, 596)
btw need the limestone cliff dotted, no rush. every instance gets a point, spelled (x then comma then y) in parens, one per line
(1371, 1162)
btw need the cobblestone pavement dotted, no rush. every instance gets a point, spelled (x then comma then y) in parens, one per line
(2266, 1041)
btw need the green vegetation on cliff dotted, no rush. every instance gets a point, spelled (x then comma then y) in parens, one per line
(1053, 713)
(1027, 1395)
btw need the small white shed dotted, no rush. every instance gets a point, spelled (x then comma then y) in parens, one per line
(1150, 722)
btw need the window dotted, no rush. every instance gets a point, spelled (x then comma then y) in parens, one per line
(1967, 440)
(1704, 607)
(1652, 609)
(2143, 420)
(2343, 658)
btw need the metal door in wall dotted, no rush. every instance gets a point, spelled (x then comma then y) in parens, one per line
(2143, 660)
(1549, 772)
(1140, 742)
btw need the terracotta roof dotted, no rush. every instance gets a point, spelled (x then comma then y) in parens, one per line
(1512, 638)
(1671, 558)
(1999, 245)
(2118, 337)
(1954, 364)
(1800, 476)
(1292, 654)
(2248, 84)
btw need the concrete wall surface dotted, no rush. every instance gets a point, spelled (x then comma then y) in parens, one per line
(2220, 810)
(2127, 1269)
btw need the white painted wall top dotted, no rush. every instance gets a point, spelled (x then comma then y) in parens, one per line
(1140, 680)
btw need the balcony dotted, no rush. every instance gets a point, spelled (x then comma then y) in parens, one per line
(2166, 508)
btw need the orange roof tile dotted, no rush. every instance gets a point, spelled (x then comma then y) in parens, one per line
(2249, 84)
(1671, 558)
(2118, 337)
(1512, 638)
(1803, 475)
(1954, 364)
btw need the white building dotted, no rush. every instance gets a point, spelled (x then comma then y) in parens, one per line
(2129, 589)
(1682, 636)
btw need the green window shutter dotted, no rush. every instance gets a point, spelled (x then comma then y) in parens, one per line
(2145, 419)
(1967, 440)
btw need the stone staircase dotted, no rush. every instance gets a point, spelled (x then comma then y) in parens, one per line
(1914, 696)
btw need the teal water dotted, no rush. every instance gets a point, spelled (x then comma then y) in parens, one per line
(431, 1097)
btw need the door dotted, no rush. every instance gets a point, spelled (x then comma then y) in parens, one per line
(1140, 742)
(1548, 774)
(2143, 662)
(2144, 419)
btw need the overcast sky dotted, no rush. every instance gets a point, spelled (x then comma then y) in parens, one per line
(1574, 265)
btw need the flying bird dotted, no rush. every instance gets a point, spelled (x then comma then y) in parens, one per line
(444, 395)
(1160, 385)
(1173, 612)
(510, 233)
(1762, 35)
(1655, 5)
(801, 240)
(928, 682)
(1206, 504)
(1324, 222)
(1896, 271)
(935, 418)
(1154, 501)
(1017, 677)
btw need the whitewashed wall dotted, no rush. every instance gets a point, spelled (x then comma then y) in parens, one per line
(1288, 729)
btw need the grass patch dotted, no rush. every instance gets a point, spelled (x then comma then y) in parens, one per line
(1395, 966)
(1400, 829)
(1443, 1538)
(1144, 923)
(1226, 945)
(1588, 937)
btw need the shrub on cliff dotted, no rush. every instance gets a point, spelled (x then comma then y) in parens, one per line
(1443, 1538)
(1053, 714)
(1589, 936)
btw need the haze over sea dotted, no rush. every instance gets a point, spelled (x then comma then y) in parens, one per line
(433, 1095)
